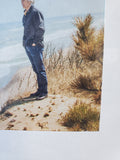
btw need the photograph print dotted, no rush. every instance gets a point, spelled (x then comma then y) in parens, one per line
(51, 64)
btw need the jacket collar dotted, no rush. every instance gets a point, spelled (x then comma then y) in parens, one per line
(25, 13)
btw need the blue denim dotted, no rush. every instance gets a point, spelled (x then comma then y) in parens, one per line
(35, 54)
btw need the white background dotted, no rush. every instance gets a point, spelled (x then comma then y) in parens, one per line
(103, 145)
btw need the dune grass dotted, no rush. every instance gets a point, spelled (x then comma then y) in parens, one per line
(87, 40)
(81, 117)
(80, 67)
(97, 97)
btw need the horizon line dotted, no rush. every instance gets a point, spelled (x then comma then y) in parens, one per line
(52, 17)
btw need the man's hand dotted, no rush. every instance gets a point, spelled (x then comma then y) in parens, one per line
(33, 44)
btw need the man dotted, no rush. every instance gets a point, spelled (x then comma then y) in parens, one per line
(33, 22)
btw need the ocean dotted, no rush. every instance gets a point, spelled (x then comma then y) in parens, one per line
(12, 54)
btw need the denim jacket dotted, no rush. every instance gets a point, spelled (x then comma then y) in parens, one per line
(34, 29)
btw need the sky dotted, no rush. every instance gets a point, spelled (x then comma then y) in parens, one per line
(11, 10)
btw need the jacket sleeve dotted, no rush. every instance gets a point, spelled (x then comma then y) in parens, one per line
(38, 23)
(24, 38)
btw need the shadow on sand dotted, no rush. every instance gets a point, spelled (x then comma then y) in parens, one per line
(17, 102)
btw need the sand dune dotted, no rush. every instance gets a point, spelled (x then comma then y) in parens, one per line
(21, 85)
(44, 115)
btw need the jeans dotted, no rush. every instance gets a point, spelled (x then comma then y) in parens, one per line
(35, 54)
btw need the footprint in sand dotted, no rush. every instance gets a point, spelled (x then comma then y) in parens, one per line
(32, 115)
(13, 120)
(10, 126)
(53, 103)
(27, 114)
(42, 125)
(46, 114)
(8, 114)
(25, 128)
(50, 109)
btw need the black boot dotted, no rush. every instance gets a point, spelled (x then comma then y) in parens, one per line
(33, 95)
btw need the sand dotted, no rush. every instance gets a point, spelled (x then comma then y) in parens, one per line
(40, 115)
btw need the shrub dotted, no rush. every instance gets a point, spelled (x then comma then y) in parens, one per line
(89, 77)
(87, 40)
(82, 117)
(84, 82)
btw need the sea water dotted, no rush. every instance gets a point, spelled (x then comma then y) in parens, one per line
(58, 32)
